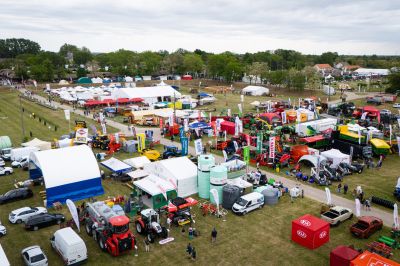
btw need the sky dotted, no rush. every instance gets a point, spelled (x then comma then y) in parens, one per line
(308, 26)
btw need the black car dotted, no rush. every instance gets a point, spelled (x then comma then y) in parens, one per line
(16, 194)
(43, 220)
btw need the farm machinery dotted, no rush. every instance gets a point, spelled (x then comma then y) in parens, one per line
(110, 229)
(179, 210)
(106, 143)
(148, 223)
(171, 151)
(152, 155)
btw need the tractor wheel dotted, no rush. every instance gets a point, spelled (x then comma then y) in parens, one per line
(139, 228)
(244, 213)
(8, 173)
(360, 171)
(102, 243)
(164, 232)
(151, 237)
(88, 228)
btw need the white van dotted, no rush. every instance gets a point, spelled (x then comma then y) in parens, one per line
(249, 202)
(70, 246)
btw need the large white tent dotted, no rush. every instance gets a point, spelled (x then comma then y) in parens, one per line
(372, 72)
(116, 165)
(42, 145)
(336, 157)
(148, 94)
(255, 90)
(181, 171)
(68, 173)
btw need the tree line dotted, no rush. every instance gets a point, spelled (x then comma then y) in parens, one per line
(286, 67)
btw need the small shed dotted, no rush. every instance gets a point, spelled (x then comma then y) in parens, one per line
(342, 256)
(42, 145)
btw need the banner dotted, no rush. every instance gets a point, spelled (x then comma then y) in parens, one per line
(74, 212)
(185, 145)
(210, 117)
(229, 113)
(240, 126)
(198, 146)
(259, 142)
(283, 114)
(395, 217)
(235, 144)
(237, 126)
(358, 208)
(215, 195)
(103, 128)
(141, 139)
(241, 98)
(67, 114)
(398, 144)
(186, 124)
(225, 155)
(240, 109)
(218, 123)
(246, 154)
(390, 134)
(116, 137)
(101, 117)
(181, 132)
(272, 147)
(328, 196)
(81, 135)
(224, 135)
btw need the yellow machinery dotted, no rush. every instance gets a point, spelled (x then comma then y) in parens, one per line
(264, 122)
(152, 155)
(80, 124)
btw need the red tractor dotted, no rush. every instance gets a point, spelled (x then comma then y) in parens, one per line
(109, 228)
(148, 223)
(179, 210)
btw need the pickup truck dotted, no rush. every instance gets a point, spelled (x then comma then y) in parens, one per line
(336, 215)
(366, 226)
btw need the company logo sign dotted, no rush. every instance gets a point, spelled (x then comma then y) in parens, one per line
(323, 234)
(301, 234)
(305, 223)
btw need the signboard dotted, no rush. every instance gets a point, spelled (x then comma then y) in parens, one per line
(185, 124)
(198, 146)
(81, 135)
(67, 114)
(141, 138)
(272, 147)
(229, 113)
(240, 109)
(246, 154)
(283, 114)
(185, 145)
(259, 142)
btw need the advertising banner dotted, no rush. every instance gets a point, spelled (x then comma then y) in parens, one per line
(272, 147)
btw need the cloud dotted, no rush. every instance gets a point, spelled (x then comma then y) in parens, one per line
(309, 26)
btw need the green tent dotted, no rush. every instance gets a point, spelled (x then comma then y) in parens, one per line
(84, 80)
(5, 142)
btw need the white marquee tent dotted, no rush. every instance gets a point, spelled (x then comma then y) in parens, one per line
(42, 145)
(255, 90)
(336, 157)
(148, 94)
(137, 162)
(116, 165)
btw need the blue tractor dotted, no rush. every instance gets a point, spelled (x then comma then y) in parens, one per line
(171, 151)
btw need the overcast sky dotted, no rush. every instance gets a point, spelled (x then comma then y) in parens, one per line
(308, 26)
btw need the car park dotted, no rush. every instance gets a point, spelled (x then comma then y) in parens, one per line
(22, 214)
(43, 220)
(34, 256)
(3, 230)
(6, 170)
(20, 163)
(16, 194)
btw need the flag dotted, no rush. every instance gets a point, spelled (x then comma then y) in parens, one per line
(141, 139)
(237, 126)
(241, 98)
(283, 114)
(396, 217)
(210, 117)
(186, 124)
(185, 144)
(215, 195)
(74, 212)
(225, 155)
(390, 134)
(198, 146)
(171, 120)
(240, 109)
(358, 208)
(259, 142)
(67, 114)
(359, 136)
(103, 128)
(398, 144)
(229, 113)
(246, 154)
(161, 123)
(272, 147)
(328, 196)
(224, 135)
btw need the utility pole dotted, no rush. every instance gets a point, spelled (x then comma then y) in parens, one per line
(22, 117)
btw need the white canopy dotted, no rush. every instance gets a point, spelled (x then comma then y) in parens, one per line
(335, 157)
(137, 162)
(255, 90)
(149, 94)
(372, 71)
(239, 182)
(42, 145)
(313, 159)
(115, 165)
(154, 185)
(137, 174)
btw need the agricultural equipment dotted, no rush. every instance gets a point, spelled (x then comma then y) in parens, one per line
(171, 151)
(109, 228)
(396, 193)
(100, 142)
(179, 210)
(148, 223)
(79, 124)
(152, 155)
(390, 242)
(354, 167)
(209, 208)
(331, 173)
(380, 249)
(385, 203)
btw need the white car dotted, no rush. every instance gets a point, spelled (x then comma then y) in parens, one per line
(6, 170)
(34, 256)
(2, 162)
(20, 163)
(396, 105)
(22, 214)
(3, 230)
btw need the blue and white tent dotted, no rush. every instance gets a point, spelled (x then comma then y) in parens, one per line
(116, 165)
(68, 173)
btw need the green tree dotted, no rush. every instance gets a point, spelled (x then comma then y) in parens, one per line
(80, 72)
(68, 48)
(257, 70)
(328, 58)
(193, 63)
(82, 56)
(173, 63)
(394, 83)
(149, 63)
(10, 48)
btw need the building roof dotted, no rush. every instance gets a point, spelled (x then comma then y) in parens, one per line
(154, 185)
(323, 66)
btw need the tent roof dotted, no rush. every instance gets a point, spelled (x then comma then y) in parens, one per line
(115, 165)
(312, 139)
(137, 162)
(334, 153)
(313, 159)
(137, 174)
(42, 145)
(311, 222)
(370, 259)
(239, 182)
(179, 167)
(154, 185)
(66, 165)
(147, 92)
(345, 252)
(254, 88)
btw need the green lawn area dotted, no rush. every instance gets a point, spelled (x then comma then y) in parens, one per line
(388, 106)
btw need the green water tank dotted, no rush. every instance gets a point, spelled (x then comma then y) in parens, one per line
(205, 162)
(5, 142)
(218, 179)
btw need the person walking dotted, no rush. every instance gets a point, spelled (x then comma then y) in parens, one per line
(339, 187)
(367, 205)
(190, 230)
(214, 235)
(147, 245)
(345, 188)
(194, 254)
(189, 249)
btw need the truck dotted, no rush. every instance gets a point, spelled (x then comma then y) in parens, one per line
(336, 215)
(19, 153)
(366, 226)
(110, 229)
(148, 223)
(6, 154)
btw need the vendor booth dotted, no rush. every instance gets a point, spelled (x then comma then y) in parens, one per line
(116, 165)
(310, 231)
(336, 157)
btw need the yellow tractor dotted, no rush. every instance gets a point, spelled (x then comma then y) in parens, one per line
(80, 124)
(152, 155)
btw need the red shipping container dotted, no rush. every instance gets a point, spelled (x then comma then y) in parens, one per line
(310, 231)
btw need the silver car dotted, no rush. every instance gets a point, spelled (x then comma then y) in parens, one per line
(34, 256)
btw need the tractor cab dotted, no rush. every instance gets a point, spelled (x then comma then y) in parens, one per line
(151, 219)
(119, 224)
(80, 124)
(171, 151)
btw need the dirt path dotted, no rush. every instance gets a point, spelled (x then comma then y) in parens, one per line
(309, 191)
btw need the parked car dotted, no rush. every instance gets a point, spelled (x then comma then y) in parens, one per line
(6, 171)
(3, 230)
(20, 163)
(16, 194)
(43, 220)
(336, 215)
(249, 202)
(396, 105)
(34, 256)
(366, 226)
(2, 162)
(70, 246)
(22, 214)
(385, 112)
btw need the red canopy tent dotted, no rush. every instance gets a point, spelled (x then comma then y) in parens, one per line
(228, 126)
(342, 256)
(92, 103)
(372, 259)
(136, 100)
(310, 231)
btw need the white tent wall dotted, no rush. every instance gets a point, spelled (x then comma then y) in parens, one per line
(150, 95)
(336, 157)
(255, 90)
(319, 125)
